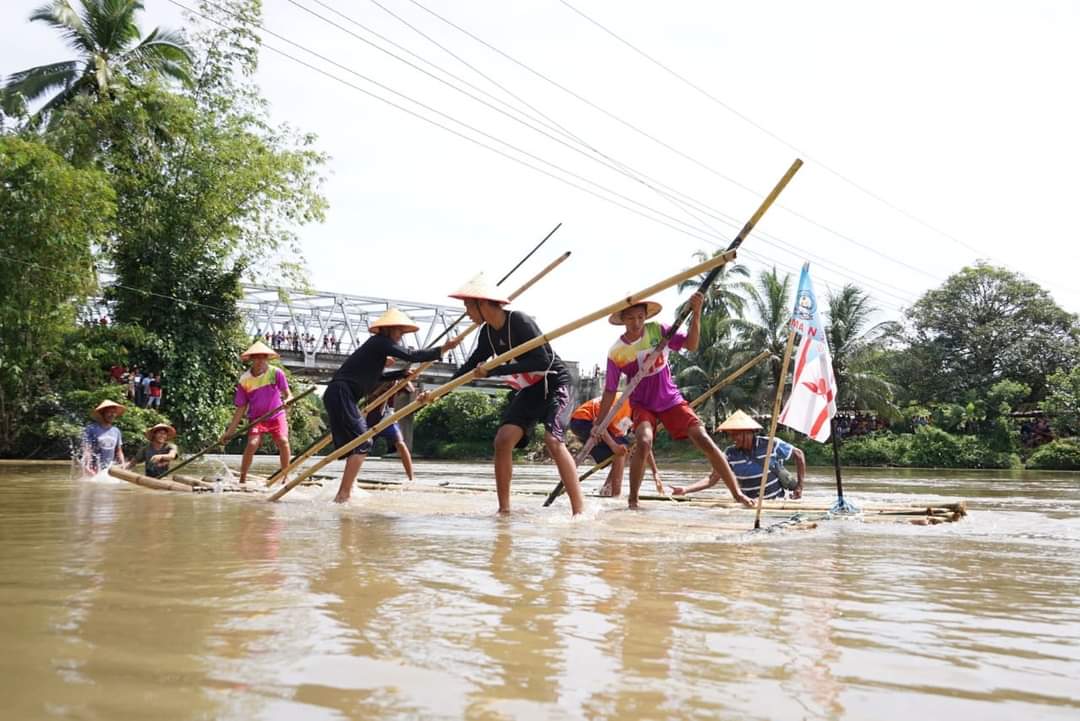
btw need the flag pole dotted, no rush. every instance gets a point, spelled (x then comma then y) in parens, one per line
(772, 423)
(842, 505)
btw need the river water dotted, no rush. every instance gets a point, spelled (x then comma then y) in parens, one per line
(120, 602)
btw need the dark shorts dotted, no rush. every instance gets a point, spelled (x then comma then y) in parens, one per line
(346, 423)
(391, 434)
(600, 452)
(539, 403)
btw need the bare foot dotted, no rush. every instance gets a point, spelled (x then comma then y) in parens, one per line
(633, 505)
(502, 512)
(341, 499)
(605, 491)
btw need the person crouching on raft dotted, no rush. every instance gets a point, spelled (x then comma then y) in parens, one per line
(156, 455)
(261, 389)
(745, 458)
(358, 376)
(539, 381)
(657, 399)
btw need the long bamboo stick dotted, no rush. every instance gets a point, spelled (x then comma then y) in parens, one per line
(243, 430)
(772, 425)
(509, 355)
(401, 383)
(557, 491)
(650, 360)
(160, 484)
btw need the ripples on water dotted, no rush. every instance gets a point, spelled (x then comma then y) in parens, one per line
(124, 603)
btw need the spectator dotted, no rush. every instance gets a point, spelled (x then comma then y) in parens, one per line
(144, 385)
(155, 392)
(116, 372)
(137, 387)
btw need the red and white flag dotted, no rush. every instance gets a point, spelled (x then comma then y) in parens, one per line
(813, 388)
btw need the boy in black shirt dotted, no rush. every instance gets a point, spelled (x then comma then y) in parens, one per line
(358, 376)
(540, 383)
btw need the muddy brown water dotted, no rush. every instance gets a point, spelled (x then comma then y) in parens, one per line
(120, 602)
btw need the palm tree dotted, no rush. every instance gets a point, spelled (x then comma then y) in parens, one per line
(853, 344)
(771, 303)
(107, 40)
(726, 296)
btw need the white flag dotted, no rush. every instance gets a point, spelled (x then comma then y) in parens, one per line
(813, 388)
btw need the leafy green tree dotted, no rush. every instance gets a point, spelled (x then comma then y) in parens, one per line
(50, 215)
(110, 48)
(207, 190)
(1063, 400)
(983, 325)
(854, 343)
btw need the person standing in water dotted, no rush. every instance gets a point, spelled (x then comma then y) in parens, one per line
(358, 376)
(102, 441)
(539, 381)
(261, 389)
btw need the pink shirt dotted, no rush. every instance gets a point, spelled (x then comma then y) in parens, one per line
(262, 393)
(657, 391)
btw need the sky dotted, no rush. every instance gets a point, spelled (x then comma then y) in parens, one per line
(934, 134)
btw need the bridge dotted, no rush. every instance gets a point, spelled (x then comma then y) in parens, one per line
(315, 331)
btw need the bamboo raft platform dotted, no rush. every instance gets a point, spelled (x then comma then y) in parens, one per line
(801, 515)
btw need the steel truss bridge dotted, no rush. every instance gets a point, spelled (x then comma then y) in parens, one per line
(315, 331)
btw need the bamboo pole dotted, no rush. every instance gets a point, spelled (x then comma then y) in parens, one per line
(400, 384)
(243, 430)
(772, 424)
(509, 355)
(160, 484)
(650, 360)
(557, 491)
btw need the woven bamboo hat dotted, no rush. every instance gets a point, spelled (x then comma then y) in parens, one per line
(739, 421)
(161, 427)
(651, 309)
(479, 288)
(394, 317)
(259, 348)
(96, 413)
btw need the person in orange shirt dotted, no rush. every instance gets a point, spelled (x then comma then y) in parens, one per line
(615, 442)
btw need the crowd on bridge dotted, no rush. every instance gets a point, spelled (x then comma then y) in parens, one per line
(296, 342)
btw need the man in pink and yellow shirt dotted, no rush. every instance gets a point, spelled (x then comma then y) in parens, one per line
(657, 400)
(261, 389)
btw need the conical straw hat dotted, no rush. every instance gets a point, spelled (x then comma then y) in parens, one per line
(161, 427)
(739, 421)
(96, 413)
(478, 288)
(259, 348)
(394, 317)
(651, 309)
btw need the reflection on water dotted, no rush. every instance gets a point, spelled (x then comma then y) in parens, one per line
(124, 603)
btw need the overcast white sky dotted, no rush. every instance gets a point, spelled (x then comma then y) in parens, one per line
(962, 114)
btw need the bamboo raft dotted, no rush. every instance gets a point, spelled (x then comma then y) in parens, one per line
(190, 484)
(802, 515)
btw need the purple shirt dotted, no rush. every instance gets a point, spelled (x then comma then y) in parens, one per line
(262, 393)
(657, 391)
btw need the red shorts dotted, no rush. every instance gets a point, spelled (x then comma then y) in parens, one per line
(277, 427)
(678, 419)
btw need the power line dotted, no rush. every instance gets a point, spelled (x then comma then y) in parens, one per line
(684, 201)
(769, 133)
(686, 230)
(686, 156)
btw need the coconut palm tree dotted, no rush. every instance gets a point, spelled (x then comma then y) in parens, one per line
(726, 296)
(770, 304)
(107, 41)
(853, 344)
